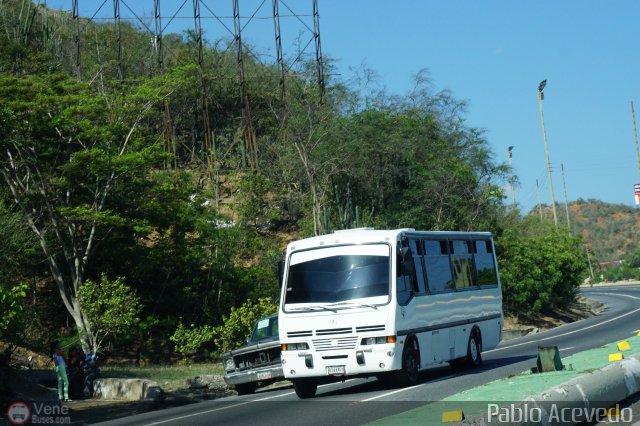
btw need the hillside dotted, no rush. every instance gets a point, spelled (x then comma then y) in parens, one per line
(611, 230)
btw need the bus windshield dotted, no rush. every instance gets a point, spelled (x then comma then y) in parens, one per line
(337, 274)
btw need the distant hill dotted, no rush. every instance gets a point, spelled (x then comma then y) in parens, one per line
(611, 230)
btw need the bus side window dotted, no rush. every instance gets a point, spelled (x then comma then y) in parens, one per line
(485, 263)
(462, 264)
(406, 281)
(438, 268)
(417, 250)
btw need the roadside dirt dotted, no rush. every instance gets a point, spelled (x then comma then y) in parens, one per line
(529, 324)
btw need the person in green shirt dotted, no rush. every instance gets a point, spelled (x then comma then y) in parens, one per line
(61, 371)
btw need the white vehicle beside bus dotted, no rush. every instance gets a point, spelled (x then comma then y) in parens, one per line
(387, 303)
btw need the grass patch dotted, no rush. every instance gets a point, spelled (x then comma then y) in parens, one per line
(168, 376)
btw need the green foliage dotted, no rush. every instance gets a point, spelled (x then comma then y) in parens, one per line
(188, 341)
(540, 271)
(110, 306)
(239, 324)
(230, 335)
(632, 260)
(619, 273)
(17, 246)
(12, 311)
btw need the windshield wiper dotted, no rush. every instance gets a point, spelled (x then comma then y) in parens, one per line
(314, 308)
(355, 304)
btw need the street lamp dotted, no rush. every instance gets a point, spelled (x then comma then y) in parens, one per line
(541, 87)
(513, 189)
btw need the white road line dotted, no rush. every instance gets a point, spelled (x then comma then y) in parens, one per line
(272, 397)
(197, 414)
(565, 349)
(393, 392)
(575, 331)
(235, 405)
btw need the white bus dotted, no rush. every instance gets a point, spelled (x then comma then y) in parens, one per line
(387, 303)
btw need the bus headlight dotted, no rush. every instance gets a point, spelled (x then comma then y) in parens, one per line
(378, 340)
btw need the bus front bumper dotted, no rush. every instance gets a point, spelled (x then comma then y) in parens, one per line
(360, 362)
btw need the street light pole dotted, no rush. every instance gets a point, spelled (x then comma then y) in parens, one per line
(513, 189)
(546, 150)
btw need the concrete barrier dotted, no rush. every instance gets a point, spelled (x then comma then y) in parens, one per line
(581, 398)
(127, 390)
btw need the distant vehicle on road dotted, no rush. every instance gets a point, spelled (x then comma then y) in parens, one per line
(387, 303)
(258, 362)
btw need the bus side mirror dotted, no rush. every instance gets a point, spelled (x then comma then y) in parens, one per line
(281, 271)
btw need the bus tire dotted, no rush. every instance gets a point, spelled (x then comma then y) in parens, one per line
(408, 374)
(474, 350)
(305, 388)
(246, 388)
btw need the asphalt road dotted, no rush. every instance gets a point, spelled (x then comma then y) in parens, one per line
(359, 401)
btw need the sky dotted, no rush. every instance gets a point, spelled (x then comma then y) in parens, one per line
(490, 53)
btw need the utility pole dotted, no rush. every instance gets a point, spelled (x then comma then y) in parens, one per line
(541, 86)
(566, 203)
(513, 189)
(539, 202)
(76, 20)
(586, 248)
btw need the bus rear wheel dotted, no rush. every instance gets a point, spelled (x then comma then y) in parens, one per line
(474, 349)
(305, 388)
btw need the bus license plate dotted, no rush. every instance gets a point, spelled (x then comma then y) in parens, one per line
(336, 369)
(264, 375)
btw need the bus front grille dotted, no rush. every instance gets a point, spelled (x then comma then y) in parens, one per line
(366, 328)
(327, 331)
(299, 333)
(335, 344)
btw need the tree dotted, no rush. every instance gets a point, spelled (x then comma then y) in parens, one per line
(239, 324)
(16, 246)
(110, 307)
(632, 260)
(309, 152)
(12, 311)
(540, 268)
(68, 152)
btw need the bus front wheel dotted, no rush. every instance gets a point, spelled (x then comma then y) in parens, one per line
(305, 388)
(408, 374)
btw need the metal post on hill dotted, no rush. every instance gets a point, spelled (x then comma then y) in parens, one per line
(541, 87)
(566, 202)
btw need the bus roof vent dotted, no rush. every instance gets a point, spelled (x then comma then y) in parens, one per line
(338, 231)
